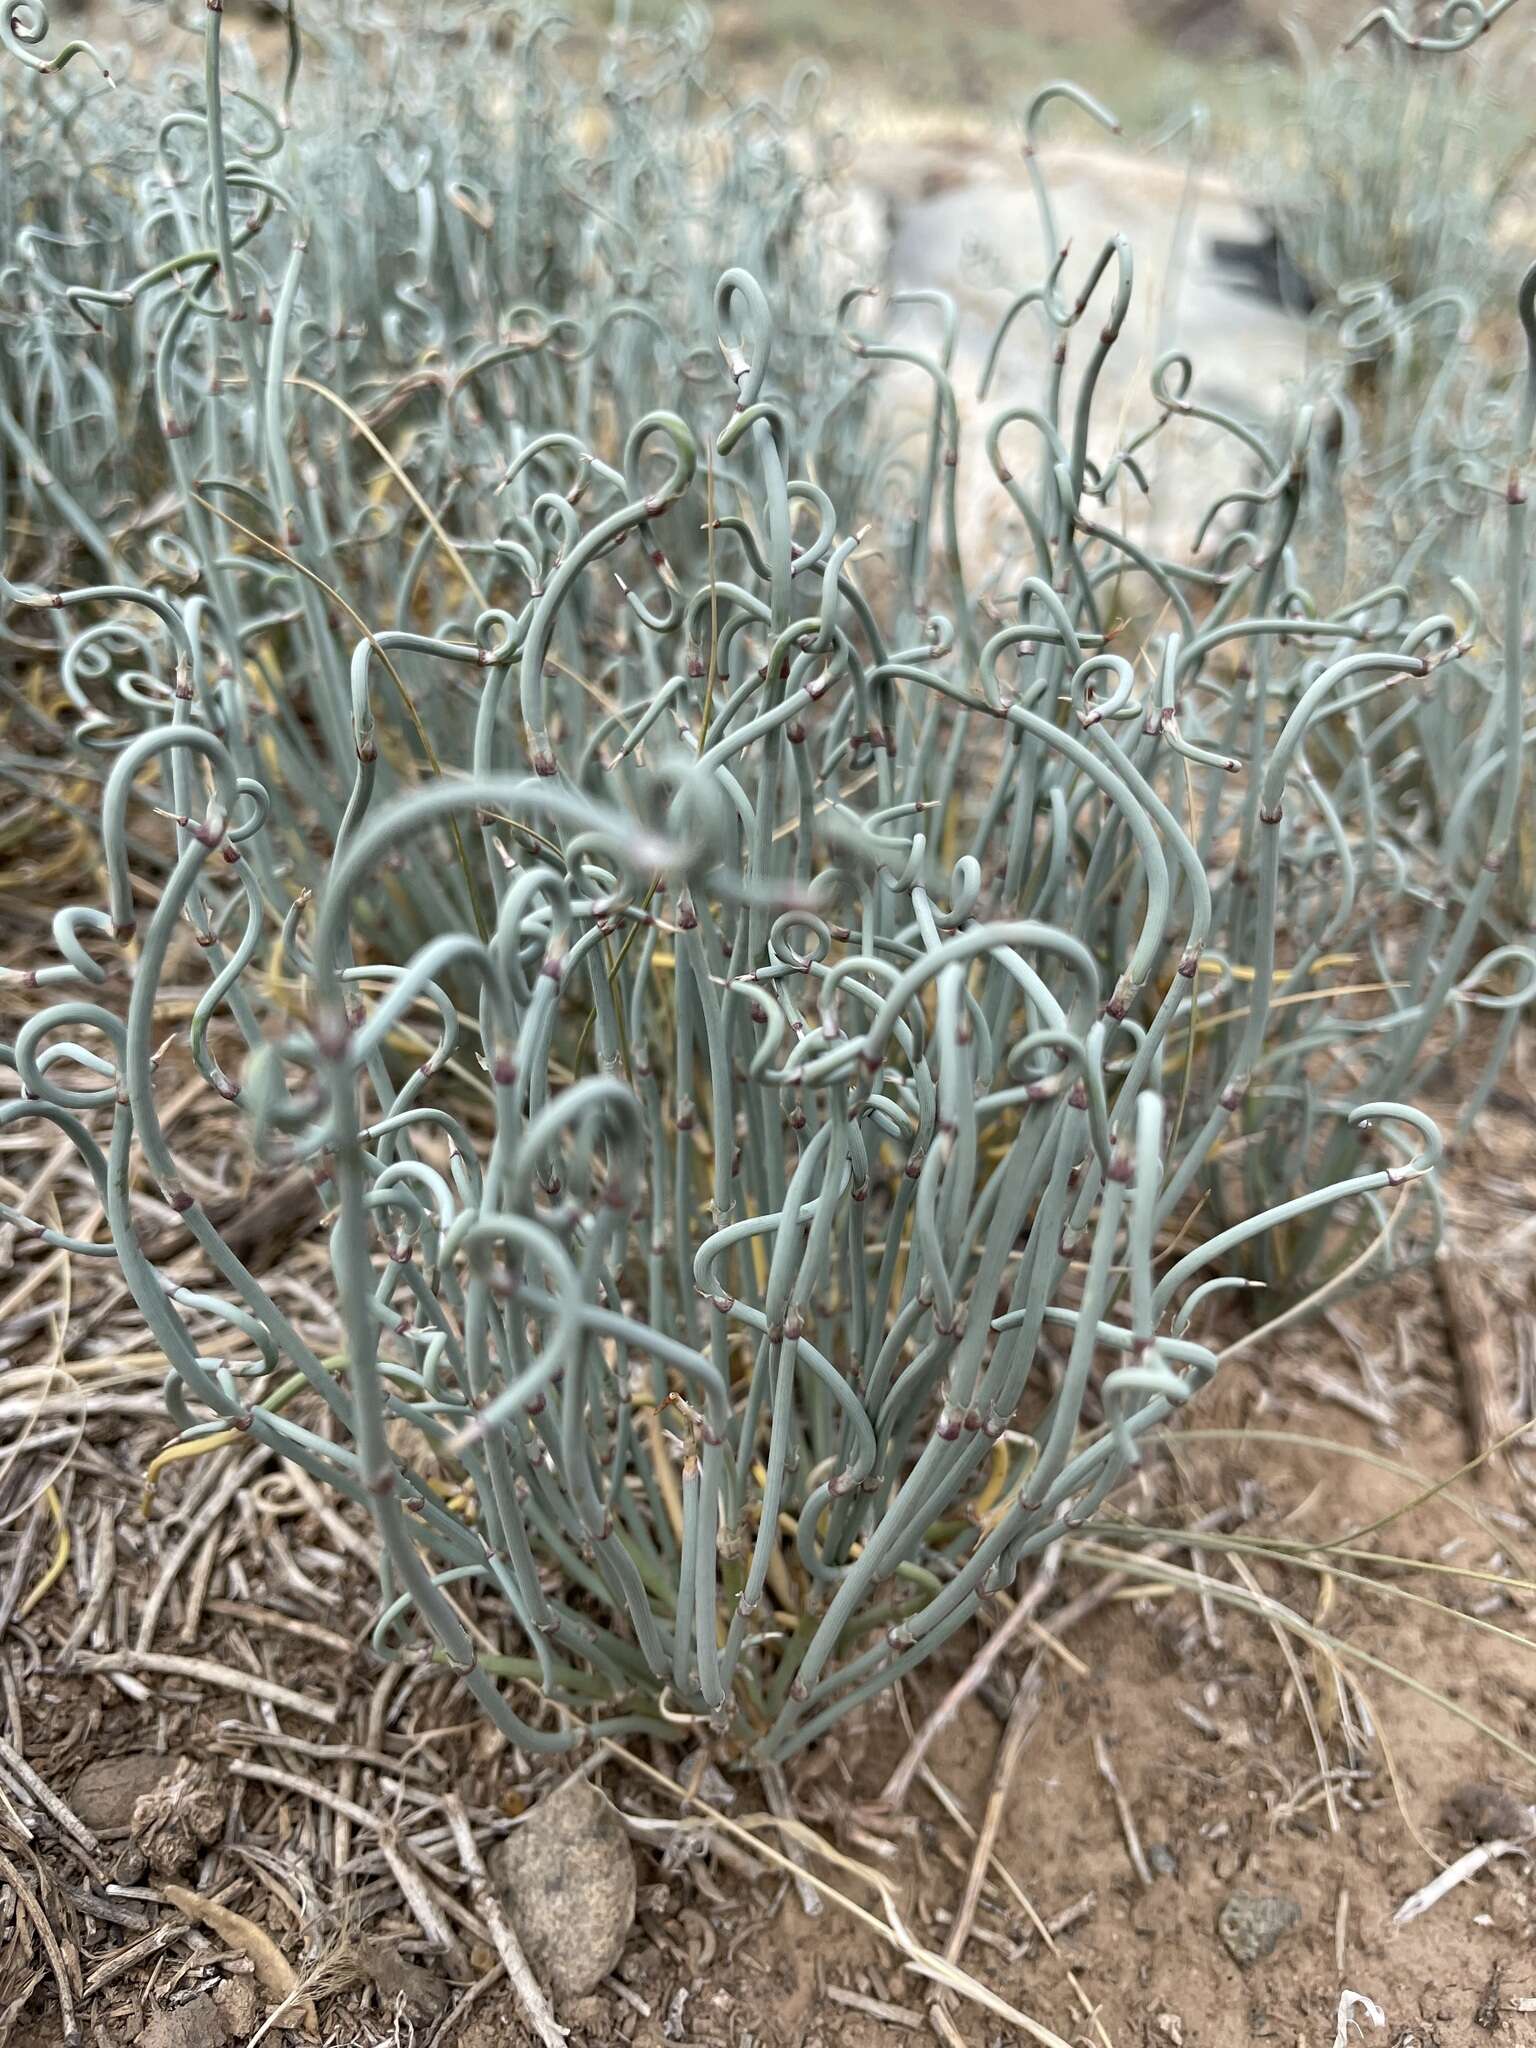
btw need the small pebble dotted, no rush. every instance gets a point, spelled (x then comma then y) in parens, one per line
(107, 1790)
(1251, 1923)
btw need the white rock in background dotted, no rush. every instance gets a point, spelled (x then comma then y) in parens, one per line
(964, 221)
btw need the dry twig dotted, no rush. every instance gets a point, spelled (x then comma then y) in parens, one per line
(1127, 1819)
(503, 1940)
(1022, 1716)
(1454, 1874)
(222, 1677)
(899, 1783)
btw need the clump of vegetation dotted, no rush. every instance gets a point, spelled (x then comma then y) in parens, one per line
(790, 1045)
(1395, 189)
(1398, 202)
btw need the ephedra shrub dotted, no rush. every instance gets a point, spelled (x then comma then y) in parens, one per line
(864, 1021)
(1401, 197)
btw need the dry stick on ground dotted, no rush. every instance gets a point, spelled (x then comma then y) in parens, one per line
(128, 1958)
(945, 2027)
(472, 1996)
(1467, 1303)
(16, 1764)
(783, 1806)
(16, 1583)
(197, 1591)
(1127, 1819)
(399, 1767)
(1022, 1716)
(15, 1714)
(1047, 1930)
(416, 1896)
(503, 1940)
(103, 1570)
(222, 1676)
(1454, 1874)
(50, 1947)
(284, 1624)
(346, 1538)
(201, 1514)
(1303, 1697)
(876, 2008)
(899, 1782)
(384, 1689)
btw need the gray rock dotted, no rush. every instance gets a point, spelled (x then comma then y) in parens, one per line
(1251, 1923)
(108, 1789)
(568, 1876)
